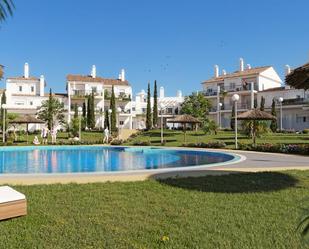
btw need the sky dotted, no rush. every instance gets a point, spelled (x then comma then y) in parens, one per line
(174, 42)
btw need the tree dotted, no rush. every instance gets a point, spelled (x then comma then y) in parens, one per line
(155, 105)
(3, 101)
(262, 105)
(106, 120)
(75, 122)
(90, 112)
(273, 125)
(52, 111)
(6, 9)
(255, 104)
(148, 111)
(84, 114)
(232, 124)
(113, 116)
(209, 126)
(196, 105)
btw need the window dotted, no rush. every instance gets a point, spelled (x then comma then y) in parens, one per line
(31, 102)
(32, 89)
(144, 110)
(20, 88)
(232, 86)
(94, 89)
(133, 109)
(121, 122)
(19, 103)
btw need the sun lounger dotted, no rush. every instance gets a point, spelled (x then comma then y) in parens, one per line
(12, 203)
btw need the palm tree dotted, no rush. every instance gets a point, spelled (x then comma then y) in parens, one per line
(1, 72)
(6, 9)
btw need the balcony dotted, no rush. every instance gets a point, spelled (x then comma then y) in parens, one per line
(120, 96)
(237, 88)
(295, 101)
(85, 93)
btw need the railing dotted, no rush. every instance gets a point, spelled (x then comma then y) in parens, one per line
(295, 101)
(236, 88)
(83, 93)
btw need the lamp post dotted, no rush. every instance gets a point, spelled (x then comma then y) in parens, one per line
(80, 110)
(235, 99)
(4, 107)
(162, 107)
(119, 111)
(280, 101)
(220, 106)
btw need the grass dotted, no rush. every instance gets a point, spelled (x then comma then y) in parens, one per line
(176, 138)
(252, 210)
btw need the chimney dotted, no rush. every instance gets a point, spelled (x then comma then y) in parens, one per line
(119, 76)
(123, 75)
(241, 64)
(161, 95)
(223, 72)
(179, 94)
(287, 69)
(26, 70)
(42, 85)
(248, 66)
(216, 67)
(94, 71)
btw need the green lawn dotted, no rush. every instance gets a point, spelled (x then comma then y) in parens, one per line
(176, 138)
(253, 210)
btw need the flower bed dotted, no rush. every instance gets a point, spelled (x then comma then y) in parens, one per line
(214, 145)
(301, 149)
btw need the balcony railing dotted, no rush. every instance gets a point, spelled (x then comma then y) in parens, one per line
(236, 88)
(83, 93)
(295, 101)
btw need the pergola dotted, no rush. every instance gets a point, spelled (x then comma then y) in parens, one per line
(184, 120)
(255, 115)
(27, 119)
(299, 77)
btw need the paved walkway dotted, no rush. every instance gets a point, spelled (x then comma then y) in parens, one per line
(254, 161)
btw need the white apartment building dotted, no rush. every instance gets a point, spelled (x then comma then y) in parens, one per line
(172, 106)
(24, 94)
(79, 86)
(251, 83)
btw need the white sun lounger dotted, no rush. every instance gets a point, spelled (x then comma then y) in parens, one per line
(12, 203)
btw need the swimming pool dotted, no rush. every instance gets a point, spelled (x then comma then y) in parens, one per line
(81, 159)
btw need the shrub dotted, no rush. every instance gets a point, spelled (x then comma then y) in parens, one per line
(212, 144)
(141, 143)
(301, 149)
(116, 142)
(306, 131)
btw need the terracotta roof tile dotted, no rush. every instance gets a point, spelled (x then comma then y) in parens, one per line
(22, 78)
(105, 81)
(246, 72)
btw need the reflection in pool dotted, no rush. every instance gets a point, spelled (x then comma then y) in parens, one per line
(74, 159)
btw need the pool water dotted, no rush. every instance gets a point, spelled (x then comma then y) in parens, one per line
(78, 159)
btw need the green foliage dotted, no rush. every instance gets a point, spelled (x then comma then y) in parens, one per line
(273, 125)
(52, 112)
(3, 101)
(6, 9)
(113, 117)
(209, 126)
(148, 111)
(106, 120)
(196, 105)
(262, 107)
(91, 111)
(232, 121)
(155, 105)
(255, 103)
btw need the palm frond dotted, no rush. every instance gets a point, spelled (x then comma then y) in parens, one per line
(6, 9)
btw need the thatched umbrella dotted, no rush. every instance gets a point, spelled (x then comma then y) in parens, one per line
(184, 120)
(255, 115)
(299, 77)
(26, 119)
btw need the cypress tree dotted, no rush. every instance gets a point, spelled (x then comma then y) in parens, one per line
(50, 110)
(75, 111)
(91, 112)
(233, 118)
(113, 108)
(88, 110)
(106, 120)
(155, 105)
(255, 104)
(262, 107)
(84, 110)
(273, 125)
(148, 112)
(3, 101)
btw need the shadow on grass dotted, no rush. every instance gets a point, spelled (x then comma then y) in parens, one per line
(234, 182)
(166, 140)
(158, 134)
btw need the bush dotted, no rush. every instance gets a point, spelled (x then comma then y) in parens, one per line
(306, 131)
(141, 143)
(301, 149)
(116, 142)
(214, 145)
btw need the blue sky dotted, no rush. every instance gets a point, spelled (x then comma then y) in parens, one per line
(175, 42)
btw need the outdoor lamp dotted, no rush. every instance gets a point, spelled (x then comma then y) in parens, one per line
(280, 101)
(235, 98)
